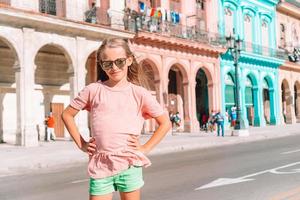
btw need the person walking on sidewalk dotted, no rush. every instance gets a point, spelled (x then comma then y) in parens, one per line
(50, 122)
(219, 118)
(118, 106)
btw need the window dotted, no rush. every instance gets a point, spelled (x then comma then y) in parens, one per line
(265, 33)
(228, 12)
(295, 36)
(228, 21)
(282, 36)
(200, 4)
(248, 28)
(48, 7)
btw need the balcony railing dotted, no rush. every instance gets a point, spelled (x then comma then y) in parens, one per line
(166, 28)
(265, 51)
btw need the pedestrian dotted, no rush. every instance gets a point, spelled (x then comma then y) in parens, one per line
(204, 121)
(177, 120)
(219, 118)
(118, 106)
(50, 122)
(233, 116)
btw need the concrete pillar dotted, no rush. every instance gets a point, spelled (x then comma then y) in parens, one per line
(272, 107)
(26, 133)
(1, 117)
(78, 80)
(257, 116)
(195, 127)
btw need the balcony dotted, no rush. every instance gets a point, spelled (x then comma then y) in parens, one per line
(169, 29)
(264, 51)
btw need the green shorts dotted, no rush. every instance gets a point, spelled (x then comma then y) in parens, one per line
(126, 181)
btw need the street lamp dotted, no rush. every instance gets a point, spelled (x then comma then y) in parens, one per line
(234, 47)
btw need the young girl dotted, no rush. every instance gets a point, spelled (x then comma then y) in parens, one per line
(118, 107)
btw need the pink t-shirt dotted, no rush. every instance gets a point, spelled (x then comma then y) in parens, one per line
(115, 114)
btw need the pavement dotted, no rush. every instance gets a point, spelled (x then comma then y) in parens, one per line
(16, 160)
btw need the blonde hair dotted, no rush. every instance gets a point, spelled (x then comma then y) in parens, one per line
(135, 73)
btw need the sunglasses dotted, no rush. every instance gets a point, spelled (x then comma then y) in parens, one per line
(107, 65)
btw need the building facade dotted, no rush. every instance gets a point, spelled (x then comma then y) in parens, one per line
(48, 55)
(46, 48)
(288, 39)
(255, 24)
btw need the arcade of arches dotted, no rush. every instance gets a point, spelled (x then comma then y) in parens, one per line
(53, 83)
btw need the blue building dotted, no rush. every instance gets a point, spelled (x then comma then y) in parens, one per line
(255, 23)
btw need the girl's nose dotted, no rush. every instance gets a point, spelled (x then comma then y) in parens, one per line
(114, 66)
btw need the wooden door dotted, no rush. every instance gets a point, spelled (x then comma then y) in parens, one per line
(57, 109)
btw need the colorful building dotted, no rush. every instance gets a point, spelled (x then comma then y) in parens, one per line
(288, 39)
(45, 50)
(48, 55)
(255, 23)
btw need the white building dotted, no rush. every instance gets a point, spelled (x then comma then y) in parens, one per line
(47, 58)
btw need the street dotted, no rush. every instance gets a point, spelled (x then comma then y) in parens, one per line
(263, 170)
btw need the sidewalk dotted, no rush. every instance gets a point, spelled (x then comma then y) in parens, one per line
(54, 155)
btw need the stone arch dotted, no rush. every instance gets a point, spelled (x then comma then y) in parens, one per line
(11, 46)
(91, 69)
(178, 100)
(207, 71)
(286, 101)
(297, 100)
(153, 75)
(53, 66)
(9, 65)
(204, 93)
(181, 68)
(152, 72)
(252, 100)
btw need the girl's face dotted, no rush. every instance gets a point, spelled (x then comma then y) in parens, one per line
(115, 63)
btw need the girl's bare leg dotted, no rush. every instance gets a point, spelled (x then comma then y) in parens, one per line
(134, 195)
(102, 197)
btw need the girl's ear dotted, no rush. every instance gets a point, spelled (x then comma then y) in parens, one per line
(129, 60)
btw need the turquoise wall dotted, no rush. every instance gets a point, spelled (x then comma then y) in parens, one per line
(261, 67)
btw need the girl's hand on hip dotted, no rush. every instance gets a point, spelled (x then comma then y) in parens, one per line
(134, 143)
(90, 146)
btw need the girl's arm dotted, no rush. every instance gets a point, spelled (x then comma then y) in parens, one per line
(68, 117)
(164, 126)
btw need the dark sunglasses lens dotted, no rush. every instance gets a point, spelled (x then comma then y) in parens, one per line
(120, 62)
(107, 65)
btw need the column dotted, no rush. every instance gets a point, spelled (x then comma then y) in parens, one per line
(195, 127)
(242, 98)
(257, 120)
(24, 75)
(297, 104)
(272, 107)
(1, 116)
(77, 81)
(261, 100)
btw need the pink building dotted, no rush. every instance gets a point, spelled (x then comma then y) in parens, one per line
(288, 39)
